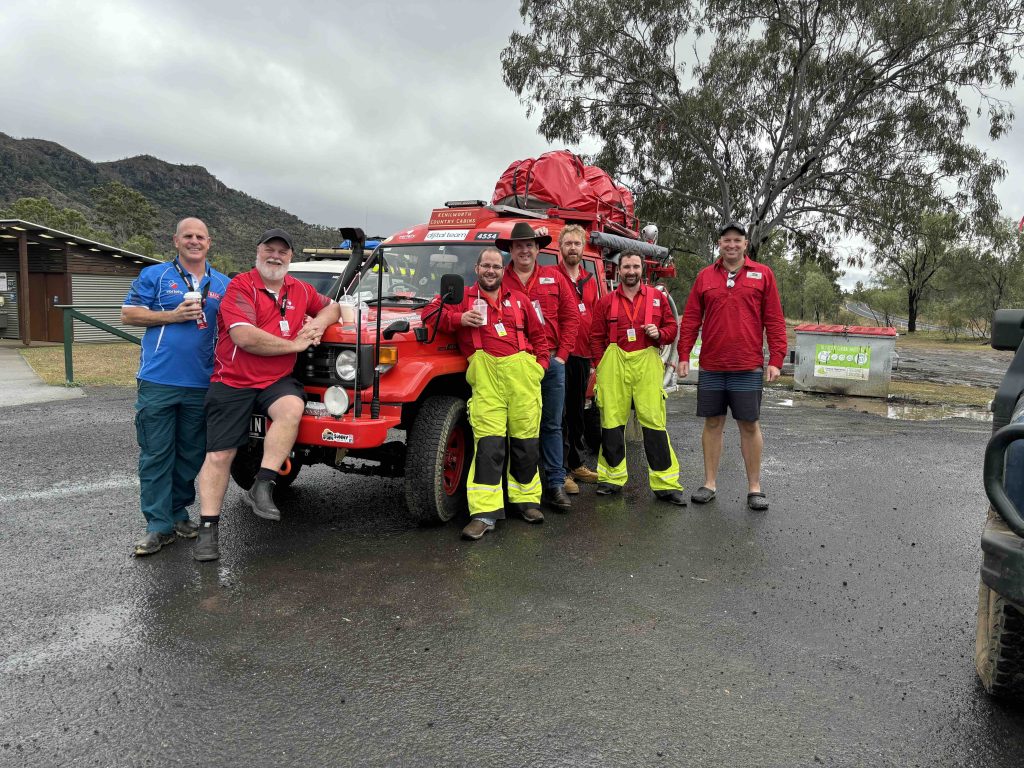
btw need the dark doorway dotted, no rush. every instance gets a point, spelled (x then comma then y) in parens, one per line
(46, 290)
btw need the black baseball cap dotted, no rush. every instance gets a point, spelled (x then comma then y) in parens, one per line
(276, 234)
(732, 225)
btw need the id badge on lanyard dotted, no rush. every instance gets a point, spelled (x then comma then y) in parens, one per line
(631, 334)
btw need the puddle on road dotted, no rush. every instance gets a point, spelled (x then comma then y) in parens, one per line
(890, 410)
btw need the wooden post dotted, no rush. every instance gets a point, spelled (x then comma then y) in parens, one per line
(23, 293)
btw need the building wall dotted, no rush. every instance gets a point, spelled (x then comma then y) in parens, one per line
(101, 289)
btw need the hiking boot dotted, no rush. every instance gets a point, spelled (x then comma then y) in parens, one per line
(584, 474)
(206, 545)
(186, 529)
(570, 486)
(476, 529)
(153, 542)
(261, 498)
(555, 497)
(532, 515)
(672, 497)
(607, 489)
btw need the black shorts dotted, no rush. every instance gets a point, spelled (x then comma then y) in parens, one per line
(739, 390)
(228, 410)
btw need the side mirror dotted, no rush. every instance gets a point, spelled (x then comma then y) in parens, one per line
(452, 287)
(399, 326)
(1007, 328)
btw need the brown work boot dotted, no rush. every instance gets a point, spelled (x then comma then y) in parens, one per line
(570, 486)
(532, 515)
(476, 529)
(584, 474)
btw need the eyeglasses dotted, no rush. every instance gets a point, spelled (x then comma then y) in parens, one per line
(490, 267)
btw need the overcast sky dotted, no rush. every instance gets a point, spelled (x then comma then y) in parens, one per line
(340, 112)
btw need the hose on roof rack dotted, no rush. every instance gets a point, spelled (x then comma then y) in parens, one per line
(617, 243)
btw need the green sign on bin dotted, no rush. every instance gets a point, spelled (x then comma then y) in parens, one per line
(842, 361)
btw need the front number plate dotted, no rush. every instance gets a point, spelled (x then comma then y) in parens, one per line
(258, 427)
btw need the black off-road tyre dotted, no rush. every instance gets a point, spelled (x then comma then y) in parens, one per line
(439, 451)
(246, 464)
(999, 645)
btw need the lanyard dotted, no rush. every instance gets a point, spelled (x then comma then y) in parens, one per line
(188, 279)
(516, 315)
(613, 321)
(281, 305)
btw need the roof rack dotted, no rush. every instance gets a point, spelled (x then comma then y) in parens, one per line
(508, 210)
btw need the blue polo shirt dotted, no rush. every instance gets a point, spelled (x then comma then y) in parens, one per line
(177, 354)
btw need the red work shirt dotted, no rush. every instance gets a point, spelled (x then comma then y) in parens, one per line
(248, 302)
(518, 322)
(561, 318)
(585, 289)
(734, 321)
(632, 315)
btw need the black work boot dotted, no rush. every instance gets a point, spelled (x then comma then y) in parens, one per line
(206, 544)
(261, 498)
(555, 497)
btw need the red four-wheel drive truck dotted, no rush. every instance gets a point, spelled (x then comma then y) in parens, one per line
(386, 392)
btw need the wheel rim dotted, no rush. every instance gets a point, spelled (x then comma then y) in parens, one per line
(454, 461)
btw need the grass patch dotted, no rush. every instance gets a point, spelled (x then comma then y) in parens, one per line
(94, 363)
(942, 394)
(923, 392)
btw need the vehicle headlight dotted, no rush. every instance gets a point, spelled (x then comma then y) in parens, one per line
(345, 365)
(336, 401)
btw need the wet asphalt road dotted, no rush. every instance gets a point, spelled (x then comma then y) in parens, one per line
(837, 629)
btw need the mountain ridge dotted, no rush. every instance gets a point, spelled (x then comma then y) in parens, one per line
(32, 167)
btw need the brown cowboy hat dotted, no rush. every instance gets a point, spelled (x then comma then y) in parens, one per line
(522, 231)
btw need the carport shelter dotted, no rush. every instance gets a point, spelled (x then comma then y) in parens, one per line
(42, 267)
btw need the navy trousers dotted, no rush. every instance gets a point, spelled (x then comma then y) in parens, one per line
(170, 424)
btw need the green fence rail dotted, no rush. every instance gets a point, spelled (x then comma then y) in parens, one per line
(71, 313)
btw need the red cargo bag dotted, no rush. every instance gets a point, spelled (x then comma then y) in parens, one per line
(553, 179)
(608, 194)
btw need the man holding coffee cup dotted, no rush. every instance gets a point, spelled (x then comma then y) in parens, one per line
(177, 304)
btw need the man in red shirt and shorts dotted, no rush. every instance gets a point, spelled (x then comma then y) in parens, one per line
(266, 318)
(734, 304)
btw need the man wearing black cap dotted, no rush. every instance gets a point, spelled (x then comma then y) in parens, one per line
(734, 304)
(266, 318)
(554, 303)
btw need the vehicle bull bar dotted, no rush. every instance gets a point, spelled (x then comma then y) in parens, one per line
(995, 466)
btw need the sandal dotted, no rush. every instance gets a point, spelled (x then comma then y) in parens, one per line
(757, 501)
(702, 495)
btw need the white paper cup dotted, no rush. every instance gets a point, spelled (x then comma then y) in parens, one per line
(481, 306)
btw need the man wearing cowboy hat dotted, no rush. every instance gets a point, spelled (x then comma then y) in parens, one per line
(554, 302)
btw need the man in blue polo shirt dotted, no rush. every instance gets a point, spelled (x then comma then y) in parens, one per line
(174, 374)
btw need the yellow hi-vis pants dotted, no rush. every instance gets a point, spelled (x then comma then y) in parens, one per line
(505, 402)
(634, 377)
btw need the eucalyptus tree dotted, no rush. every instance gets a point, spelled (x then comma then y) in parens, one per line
(785, 113)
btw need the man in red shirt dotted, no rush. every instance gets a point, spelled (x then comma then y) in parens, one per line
(554, 304)
(577, 368)
(264, 321)
(507, 349)
(630, 324)
(734, 304)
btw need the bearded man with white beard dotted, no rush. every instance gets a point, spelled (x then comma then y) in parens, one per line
(266, 318)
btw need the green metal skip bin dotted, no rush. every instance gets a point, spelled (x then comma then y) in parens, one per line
(844, 359)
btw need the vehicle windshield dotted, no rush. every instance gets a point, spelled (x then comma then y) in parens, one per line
(413, 272)
(323, 282)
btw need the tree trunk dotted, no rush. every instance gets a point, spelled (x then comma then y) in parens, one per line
(911, 312)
